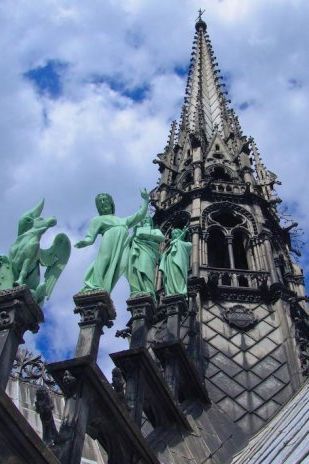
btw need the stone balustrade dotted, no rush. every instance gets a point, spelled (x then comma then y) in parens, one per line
(236, 277)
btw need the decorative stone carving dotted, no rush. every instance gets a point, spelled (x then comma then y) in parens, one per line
(178, 219)
(94, 307)
(124, 333)
(70, 383)
(5, 319)
(142, 309)
(44, 406)
(96, 310)
(195, 229)
(229, 206)
(118, 383)
(301, 321)
(240, 317)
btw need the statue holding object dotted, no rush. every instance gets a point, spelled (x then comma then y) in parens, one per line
(143, 257)
(22, 266)
(111, 261)
(175, 263)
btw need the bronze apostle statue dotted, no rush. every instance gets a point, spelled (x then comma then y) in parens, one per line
(111, 261)
(175, 263)
(143, 257)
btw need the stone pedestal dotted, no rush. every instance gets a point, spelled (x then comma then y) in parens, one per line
(176, 306)
(147, 390)
(180, 372)
(142, 309)
(96, 310)
(18, 313)
(99, 412)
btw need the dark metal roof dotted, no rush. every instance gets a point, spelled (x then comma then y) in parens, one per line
(214, 438)
(285, 439)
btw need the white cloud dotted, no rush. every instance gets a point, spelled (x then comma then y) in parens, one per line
(93, 139)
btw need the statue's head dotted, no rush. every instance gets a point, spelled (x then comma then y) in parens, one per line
(105, 204)
(176, 233)
(32, 220)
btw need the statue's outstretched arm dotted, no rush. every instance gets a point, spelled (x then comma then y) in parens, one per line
(155, 235)
(92, 233)
(141, 213)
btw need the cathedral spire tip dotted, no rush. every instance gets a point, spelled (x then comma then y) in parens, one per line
(199, 21)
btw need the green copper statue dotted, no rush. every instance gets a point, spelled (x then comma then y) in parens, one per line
(143, 257)
(22, 266)
(175, 263)
(110, 262)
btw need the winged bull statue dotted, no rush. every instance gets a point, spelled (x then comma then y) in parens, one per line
(22, 266)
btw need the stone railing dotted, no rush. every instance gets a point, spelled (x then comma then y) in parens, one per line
(236, 277)
(228, 187)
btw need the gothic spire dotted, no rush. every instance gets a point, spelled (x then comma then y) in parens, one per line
(205, 103)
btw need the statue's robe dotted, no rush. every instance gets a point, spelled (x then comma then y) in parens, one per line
(6, 273)
(143, 257)
(110, 263)
(174, 266)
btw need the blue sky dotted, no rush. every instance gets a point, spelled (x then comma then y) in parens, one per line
(47, 78)
(88, 93)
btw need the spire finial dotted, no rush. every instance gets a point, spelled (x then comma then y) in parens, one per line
(199, 21)
(200, 14)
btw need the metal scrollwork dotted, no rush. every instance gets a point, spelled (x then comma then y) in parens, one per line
(31, 368)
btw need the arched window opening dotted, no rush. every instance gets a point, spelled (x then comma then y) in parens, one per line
(217, 147)
(188, 179)
(219, 174)
(282, 266)
(178, 221)
(226, 218)
(217, 249)
(240, 244)
(175, 158)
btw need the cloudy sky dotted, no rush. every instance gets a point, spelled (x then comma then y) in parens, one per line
(88, 91)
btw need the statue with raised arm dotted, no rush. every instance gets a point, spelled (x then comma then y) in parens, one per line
(110, 263)
(22, 266)
(143, 257)
(175, 263)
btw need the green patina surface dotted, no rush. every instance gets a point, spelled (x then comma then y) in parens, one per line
(111, 262)
(143, 257)
(22, 266)
(175, 263)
